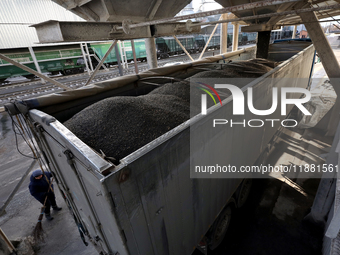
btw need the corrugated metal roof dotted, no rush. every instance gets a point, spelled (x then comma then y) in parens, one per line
(17, 15)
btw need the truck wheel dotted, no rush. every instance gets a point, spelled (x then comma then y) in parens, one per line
(220, 227)
(244, 192)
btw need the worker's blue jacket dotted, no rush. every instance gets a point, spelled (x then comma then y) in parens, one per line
(39, 188)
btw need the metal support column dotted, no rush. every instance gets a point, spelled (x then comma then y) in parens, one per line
(294, 32)
(151, 52)
(322, 46)
(85, 59)
(123, 57)
(235, 36)
(35, 62)
(224, 35)
(329, 62)
(134, 56)
(120, 68)
(262, 44)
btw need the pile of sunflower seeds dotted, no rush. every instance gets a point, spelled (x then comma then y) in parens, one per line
(118, 126)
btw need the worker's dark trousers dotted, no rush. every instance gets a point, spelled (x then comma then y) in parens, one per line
(50, 202)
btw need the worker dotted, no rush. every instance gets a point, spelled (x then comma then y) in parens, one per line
(40, 189)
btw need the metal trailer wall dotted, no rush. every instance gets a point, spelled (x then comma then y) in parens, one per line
(148, 204)
(331, 245)
(94, 201)
(245, 144)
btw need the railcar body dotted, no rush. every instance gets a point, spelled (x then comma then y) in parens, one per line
(52, 59)
(68, 59)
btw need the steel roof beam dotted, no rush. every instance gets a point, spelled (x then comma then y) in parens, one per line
(71, 5)
(63, 31)
(283, 7)
(55, 31)
(259, 27)
(214, 12)
(297, 20)
(175, 28)
(152, 11)
(91, 14)
(265, 26)
(329, 62)
(300, 22)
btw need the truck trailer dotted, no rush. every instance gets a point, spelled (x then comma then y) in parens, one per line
(147, 202)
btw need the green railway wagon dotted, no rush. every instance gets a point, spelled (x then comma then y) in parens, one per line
(214, 42)
(162, 48)
(251, 37)
(101, 48)
(243, 38)
(188, 42)
(230, 39)
(139, 48)
(52, 59)
(169, 44)
(200, 43)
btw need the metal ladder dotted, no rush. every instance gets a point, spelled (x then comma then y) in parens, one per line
(123, 57)
(87, 57)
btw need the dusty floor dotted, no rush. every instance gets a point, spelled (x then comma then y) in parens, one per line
(256, 230)
(62, 236)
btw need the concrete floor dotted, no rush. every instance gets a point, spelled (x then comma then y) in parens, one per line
(62, 236)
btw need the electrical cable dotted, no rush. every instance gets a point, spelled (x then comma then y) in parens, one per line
(14, 127)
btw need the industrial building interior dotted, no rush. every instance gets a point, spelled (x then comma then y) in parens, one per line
(117, 205)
